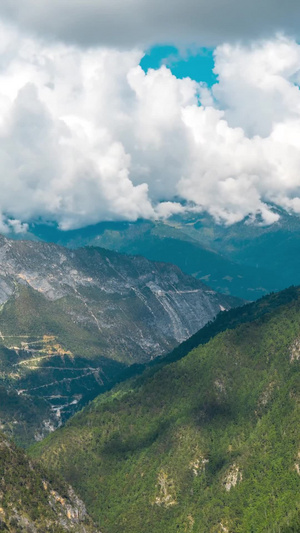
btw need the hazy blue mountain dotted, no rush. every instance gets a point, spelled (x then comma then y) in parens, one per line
(246, 259)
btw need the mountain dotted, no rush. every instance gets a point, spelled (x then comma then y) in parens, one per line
(247, 259)
(71, 321)
(31, 502)
(207, 444)
(169, 241)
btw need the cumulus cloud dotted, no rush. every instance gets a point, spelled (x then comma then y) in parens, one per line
(131, 22)
(86, 135)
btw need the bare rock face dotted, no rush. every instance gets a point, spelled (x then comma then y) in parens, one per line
(232, 477)
(71, 321)
(162, 305)
(295, 350)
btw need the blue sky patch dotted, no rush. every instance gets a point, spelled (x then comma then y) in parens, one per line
(197, 64)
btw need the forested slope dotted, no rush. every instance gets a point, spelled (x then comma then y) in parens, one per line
(209, 443)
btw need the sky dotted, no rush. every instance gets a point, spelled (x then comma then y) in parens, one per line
(115, 110)
(196, 63)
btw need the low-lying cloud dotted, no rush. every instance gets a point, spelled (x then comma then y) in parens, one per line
(86, 135)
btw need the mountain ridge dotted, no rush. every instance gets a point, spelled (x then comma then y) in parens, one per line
(72, 320)
(207, 443)
(245, 259)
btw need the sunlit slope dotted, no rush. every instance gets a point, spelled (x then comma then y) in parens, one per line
(210, 443)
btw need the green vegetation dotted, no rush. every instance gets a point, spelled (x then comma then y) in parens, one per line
(208, 443)
(22, 417)
(228, 320)
(47, 361)
(31, 502)
(32, 315)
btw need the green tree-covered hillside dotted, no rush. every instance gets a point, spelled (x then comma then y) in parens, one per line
(209, 443)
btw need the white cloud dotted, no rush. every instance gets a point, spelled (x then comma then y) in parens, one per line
(86, 135)
(247, 146)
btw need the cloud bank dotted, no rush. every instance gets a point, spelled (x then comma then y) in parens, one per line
(86, 135)
(139, 22)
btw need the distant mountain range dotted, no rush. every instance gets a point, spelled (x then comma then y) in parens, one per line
(71, 321)
(207, 444)
(246, 259)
